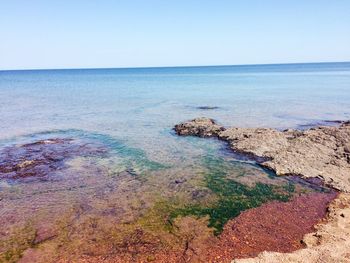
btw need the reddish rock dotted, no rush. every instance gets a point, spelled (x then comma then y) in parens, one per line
(274, 226)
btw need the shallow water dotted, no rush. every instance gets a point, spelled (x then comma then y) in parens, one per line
(147, 178)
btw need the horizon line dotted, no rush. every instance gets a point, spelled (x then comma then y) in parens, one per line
(165, 67)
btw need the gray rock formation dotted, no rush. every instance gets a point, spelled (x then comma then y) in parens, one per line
(322, 152)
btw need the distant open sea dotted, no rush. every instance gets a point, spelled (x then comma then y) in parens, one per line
(143, 104)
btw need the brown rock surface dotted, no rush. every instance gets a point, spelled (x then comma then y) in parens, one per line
(321, 152)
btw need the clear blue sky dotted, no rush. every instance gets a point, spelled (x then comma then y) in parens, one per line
(137, 33)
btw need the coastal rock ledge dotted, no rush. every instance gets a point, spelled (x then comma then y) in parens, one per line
(320, 152)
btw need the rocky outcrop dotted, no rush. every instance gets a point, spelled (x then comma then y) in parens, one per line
(322, 152)
(202, 127)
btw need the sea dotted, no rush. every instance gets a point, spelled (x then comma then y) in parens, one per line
(149, 169)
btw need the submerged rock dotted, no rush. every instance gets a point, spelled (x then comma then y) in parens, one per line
(314, 124)
(42, 157)
(321, 152)
(207, 107)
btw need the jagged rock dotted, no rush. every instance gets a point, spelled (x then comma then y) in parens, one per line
(202, 127)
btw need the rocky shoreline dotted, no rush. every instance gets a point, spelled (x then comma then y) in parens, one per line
(320, 152)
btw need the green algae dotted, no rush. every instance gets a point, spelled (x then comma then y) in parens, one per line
(231, 203)
(232, 197)
(289, 187)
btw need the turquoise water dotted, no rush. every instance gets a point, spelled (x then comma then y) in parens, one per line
(150, 173)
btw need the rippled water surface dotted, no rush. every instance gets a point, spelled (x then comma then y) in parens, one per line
(122, 182)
